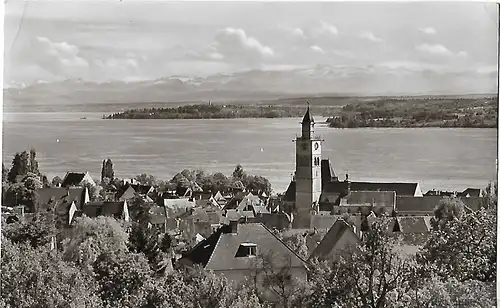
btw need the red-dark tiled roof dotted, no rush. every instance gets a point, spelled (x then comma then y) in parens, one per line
(218, 252)
(290, 192)
(60, 194)
(401, 189)
(113, 209)
(73, 179)
(331, 239)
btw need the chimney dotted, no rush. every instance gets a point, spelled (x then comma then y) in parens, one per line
(233, 224)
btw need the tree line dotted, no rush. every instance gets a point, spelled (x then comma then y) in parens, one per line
(421, 113)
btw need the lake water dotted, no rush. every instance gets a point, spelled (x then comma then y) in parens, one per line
(446, 159)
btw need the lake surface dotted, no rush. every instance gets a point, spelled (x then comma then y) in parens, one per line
(438, 158)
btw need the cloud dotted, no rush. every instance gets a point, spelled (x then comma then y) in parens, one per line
(427, 30)
(316, 48)
(434, 49)
(371, 37)
(462, 54)
(296, 32)
(233, 44)
(57, 57)
(326, 28)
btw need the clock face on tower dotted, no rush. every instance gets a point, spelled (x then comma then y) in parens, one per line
(316, 145)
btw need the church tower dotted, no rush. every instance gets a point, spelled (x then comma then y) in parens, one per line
(307, 173)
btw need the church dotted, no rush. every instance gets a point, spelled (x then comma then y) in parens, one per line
(315, 189)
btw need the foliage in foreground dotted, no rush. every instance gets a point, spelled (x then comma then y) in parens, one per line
(109, 264)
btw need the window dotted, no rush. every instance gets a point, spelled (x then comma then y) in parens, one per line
(246, 250)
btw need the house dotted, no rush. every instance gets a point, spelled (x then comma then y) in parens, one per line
(411, 224)
(237, 251)
(340, 238)
(118, 210)
(62, 204)
(177, 206)
(61, 212)
(128, 192)
(79, 195)
(143, 189)
(470, 193)
(77, 179)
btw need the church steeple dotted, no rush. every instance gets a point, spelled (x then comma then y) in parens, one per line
(307, 119)
(307, 124)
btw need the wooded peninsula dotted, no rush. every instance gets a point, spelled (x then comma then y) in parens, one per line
(343, 112)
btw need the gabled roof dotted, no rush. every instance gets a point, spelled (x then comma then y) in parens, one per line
(414, 224)
(470, 192)
(218, 197)
(218, 252)
(114, 209)
(401, 189)
(331, 241)
(141, 189)
(127, 193)
(290, 192)
(237, 198)
(73, 179)
(60, 194)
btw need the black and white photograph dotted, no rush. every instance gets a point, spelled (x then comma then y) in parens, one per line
(268, 154)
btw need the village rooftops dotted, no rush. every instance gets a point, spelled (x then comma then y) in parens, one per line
(228, 248)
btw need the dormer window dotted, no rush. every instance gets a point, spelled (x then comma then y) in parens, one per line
(246, 250)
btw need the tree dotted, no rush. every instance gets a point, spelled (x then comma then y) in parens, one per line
(56, 181)
(452, 293)
(155, 245)
(490, 194)
(464, 248)
(37, 232)
(36, 277)
(378, 274)
(122, 277)
(239, 173)
(297, 243)
(273, 281)
(15, 169)
(33, 164)
(257, 183)
(448, 209)
(5, 174)
(139, 209)
(145, 179)
(90, 237)
(191, 288)
(93, 190)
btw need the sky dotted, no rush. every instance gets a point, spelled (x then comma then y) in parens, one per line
(144, 40)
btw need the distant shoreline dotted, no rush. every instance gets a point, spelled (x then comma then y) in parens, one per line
(351, 113)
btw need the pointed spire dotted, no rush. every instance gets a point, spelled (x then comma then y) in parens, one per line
(307, 117)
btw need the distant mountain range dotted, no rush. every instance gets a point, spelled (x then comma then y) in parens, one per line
(249, 86)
